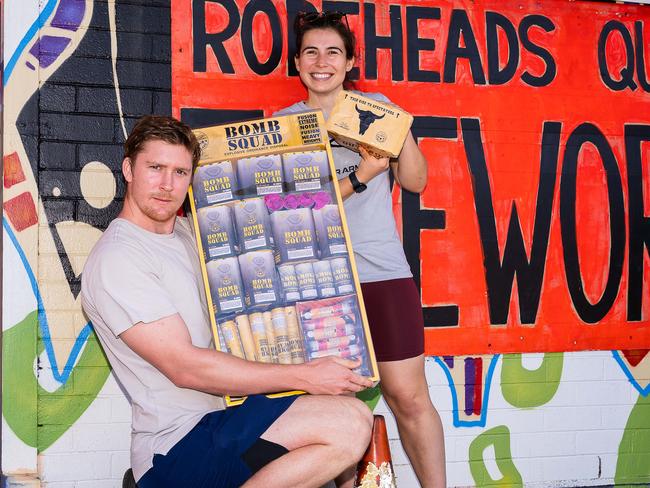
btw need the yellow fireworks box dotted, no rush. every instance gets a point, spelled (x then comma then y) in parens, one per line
(276, 257)
(380, 127)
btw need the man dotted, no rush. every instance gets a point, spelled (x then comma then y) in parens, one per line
(142, 289)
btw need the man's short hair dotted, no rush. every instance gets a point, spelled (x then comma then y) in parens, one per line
(161, 128)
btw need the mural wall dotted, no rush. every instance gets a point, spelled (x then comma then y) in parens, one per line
(530, 243)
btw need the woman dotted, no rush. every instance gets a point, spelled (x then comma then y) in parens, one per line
(325, 54)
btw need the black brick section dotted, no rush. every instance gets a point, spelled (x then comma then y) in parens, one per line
(57, 155)
(72, 127)
(57, 98)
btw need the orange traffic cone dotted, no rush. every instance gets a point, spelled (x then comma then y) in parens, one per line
(375, 470)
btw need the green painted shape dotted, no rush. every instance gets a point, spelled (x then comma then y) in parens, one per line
(36, 416)
(370, 396)
(525, 388)
(499, 437)
(19, 392)
(57, 411)
(633, 463)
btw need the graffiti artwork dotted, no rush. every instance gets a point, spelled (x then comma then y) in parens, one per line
(531, 241)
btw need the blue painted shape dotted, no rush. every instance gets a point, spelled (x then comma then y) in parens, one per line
(69, 14)
(80, 341)
(454, 397)
(27, 38)
(624, 366)
(48, 48)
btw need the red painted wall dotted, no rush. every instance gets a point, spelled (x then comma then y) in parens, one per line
(533, 231)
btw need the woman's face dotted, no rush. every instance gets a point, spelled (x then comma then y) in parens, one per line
(321, 62)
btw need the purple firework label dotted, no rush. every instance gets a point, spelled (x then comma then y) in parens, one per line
(260, 175)
(260, 278)
(214, 183)
(253, 225)
(331, 239)
(217, 231)
(225, 285)
(294, 234)
(306, 171)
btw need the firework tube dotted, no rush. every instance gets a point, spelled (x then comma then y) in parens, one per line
(342, 352)
(336, 309)
(328, 332)
(230, 335)
(295, 339)
(331, 343)
(262, 351)
(280, 330)
(247, 342)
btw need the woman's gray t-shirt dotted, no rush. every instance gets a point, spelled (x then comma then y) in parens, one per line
(377, 246)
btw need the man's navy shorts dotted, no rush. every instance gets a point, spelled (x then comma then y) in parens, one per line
(218, 452)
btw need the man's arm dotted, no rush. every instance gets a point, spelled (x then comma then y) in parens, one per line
(166, 344)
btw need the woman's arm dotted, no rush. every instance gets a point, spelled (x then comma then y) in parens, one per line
(369, 167)
(411, 168)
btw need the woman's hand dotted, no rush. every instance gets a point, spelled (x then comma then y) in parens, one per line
(370, 166)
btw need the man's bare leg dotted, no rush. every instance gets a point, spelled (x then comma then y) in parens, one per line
(324, 436)
(405, 389)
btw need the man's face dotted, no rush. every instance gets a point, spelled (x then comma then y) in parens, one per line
(157, 180)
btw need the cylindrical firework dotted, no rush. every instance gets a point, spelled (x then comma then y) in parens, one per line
(262, 351)
(281, 332)
(342, 276)
(214, 183)
(253, 224)
(326, 322)
(324, 279)
(270, 335)
(327, 332)
(306, 281)
(231, 337)
(246, 336)
(295, 338)
(259, 276)
(294, 234)
(344, 307)
(329, 228)
(331, 343)
(225, 285)
(342, 352)
(289, 282)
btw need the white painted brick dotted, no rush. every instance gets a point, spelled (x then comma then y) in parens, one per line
(397, 453)
(62, 445)
(565, 468)
(75, 466)
(111, 483)
(608, 467)
(601, 392)
(64, 484)
(517, 420)
(571, 418)
(458, 474)
(405, 476)
(598, 441)
(120, 409)
(120, 462)
(543, 444)
(615, 416)
(111, 386)
(101, 437)
(458, 447)
(613, 370)
(576, 368)
(530, 470)
(98, 411)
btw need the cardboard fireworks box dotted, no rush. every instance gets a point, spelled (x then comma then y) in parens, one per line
(276, 257)
(382, 128)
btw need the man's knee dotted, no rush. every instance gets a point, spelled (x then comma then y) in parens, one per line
(355, 426)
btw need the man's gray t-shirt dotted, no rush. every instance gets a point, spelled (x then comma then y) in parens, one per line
(131, 276)
(377, 246)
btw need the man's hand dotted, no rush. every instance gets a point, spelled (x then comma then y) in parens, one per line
(332, 376)
(370, 166)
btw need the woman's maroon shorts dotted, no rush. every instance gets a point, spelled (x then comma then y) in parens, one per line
(395, 316)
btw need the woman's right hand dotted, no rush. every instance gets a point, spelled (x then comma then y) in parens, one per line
(370, 166)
